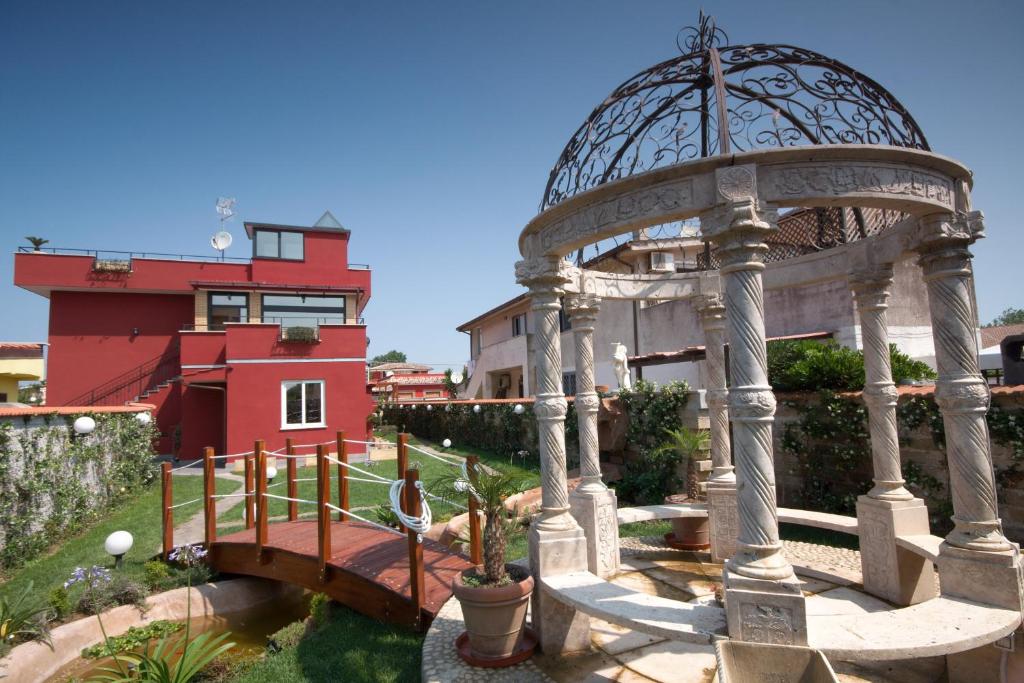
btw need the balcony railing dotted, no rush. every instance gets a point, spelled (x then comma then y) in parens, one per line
(283, 322)
(114, 255)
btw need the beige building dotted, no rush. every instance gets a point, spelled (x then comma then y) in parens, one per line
(805, 297)
(19, 362)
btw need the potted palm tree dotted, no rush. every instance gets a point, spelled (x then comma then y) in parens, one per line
(494, 595)
(688, 533)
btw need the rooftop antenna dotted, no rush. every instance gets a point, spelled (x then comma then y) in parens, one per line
(222, 240)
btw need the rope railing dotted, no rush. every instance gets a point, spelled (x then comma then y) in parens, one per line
(407, 497)
(446, 459)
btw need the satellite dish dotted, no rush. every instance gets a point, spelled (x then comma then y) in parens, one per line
(221, 241)
(389, 373)
(456, 378)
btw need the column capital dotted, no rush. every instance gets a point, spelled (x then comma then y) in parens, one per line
(544, 273)
(939, 231)
(871, 285)
(582, 308)
(711, 305)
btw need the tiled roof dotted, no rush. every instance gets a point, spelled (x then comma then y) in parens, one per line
(21, 350)
(29, 411)
(991, 336)
(424, 378)
(399, 366)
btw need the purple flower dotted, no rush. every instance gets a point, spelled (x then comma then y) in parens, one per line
(188, 555)
(93, 576)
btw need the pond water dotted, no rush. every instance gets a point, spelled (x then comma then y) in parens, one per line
(249, 631)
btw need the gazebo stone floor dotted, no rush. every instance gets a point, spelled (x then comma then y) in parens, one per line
(831, 581)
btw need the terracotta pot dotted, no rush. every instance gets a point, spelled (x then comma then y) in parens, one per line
(690, 533)
(494, 616)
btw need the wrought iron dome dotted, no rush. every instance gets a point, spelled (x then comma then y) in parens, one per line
(769, 95)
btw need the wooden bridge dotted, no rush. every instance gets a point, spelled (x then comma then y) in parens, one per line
(391, 575)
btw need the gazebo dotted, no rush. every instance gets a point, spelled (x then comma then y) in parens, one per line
(730, 135)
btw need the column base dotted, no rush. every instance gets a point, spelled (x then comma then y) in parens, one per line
(891, 572)
(595, 510)
(724, 520)
(765, 611)
(561, 628)
(990, 578)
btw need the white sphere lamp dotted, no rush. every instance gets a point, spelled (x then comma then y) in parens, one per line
(476, 408)
(84, 425)
(143, 418)
(117, 544)
(447, 443)
(518, 410)
(430, 407)
(271, 472)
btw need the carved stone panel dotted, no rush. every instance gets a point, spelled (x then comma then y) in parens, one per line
(784, 183)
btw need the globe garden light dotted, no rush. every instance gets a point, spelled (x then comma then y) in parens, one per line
(430, 407)
(447, 443)
(476, 408)
(84, 425)
(117, 544)
(518, 410)
(271, 472)
(143, 418)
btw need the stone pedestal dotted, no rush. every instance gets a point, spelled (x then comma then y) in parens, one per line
(890, 572)
(561, 628)
(993, 578)
(595, 511)
(764, 610)
(724, 520)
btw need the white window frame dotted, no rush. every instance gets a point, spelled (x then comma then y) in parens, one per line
(288, 383)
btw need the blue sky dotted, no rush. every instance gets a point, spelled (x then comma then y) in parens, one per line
(428, 129)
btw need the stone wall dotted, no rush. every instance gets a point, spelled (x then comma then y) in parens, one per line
(918, 450)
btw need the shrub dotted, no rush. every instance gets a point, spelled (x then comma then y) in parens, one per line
(157, 574)
(654, 475)
(653, 410)
(120, 590)
(301, 335)
(319, 606)
(807, 365)
(59, 601)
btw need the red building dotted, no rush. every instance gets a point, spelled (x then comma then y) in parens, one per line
(228, 350)
(407, 382)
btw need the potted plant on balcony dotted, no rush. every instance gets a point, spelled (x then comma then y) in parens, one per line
(688, 533)
(299, 334)
(493, 596)
(37, 242)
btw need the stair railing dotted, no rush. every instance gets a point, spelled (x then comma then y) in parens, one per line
(134, 382)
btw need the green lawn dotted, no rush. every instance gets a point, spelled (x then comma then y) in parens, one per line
(529, 470)
(347, 647)
(140, 516)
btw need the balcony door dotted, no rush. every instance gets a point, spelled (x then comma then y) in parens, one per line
(227, 307)
(295, 310)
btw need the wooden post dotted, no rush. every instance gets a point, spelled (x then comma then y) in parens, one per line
(262, 501)
(293, 486)
(475, 547)
(412, 504)
(248, 501)
(323, 514)
(168, 517)
(209, 502)
(403, 460)
(342, 476)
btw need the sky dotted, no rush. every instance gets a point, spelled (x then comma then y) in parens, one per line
(427, 128)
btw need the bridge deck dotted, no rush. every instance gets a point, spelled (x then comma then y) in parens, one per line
(368, 568)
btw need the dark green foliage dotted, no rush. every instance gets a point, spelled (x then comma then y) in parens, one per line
(1011, 316)
(135, 638)
(22, 618)
(391, 356)
(807, 365)
(649, 479)
(653, 410)
(59, 601)
(300, 334)
(319, 605)
(156, 572)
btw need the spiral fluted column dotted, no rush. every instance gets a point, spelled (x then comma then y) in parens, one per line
(592, 503)
(871, 293)
(739, 228)
(961, 392)
(712, 319)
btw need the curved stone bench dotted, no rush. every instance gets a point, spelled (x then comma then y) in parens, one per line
(925, 545)
(939, 626)
(651, 614)
(821, 520)
(649, 513)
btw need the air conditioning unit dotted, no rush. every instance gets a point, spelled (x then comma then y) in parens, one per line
(663, 262)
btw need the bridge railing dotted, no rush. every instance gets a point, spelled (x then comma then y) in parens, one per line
(408, 498)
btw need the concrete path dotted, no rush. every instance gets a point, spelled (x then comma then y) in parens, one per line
(193, 529)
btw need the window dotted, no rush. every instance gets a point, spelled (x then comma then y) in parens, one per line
(226, 307)
(569, 383)
(563, 318)
(302, 404)
(519, 325)
(293, 310)
(478, 335)
(278, 244)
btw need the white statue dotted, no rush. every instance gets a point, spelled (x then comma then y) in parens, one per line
(621, 365)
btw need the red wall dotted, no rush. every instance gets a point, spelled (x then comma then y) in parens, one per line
(202, 421)
(91, 340)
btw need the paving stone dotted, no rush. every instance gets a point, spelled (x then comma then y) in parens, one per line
(673, 662)
(810, 585)
(637, 581)
(690, 582)
(843, 600)
(614, 639)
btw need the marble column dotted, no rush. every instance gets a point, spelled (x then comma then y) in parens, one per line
(975, 561)
(592, 503)
(764, 602)
(888, 510)
(557, 544)
(722, 511)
